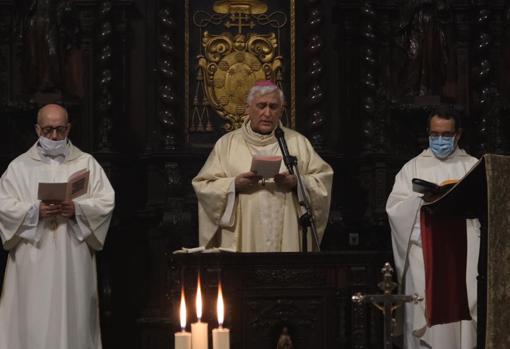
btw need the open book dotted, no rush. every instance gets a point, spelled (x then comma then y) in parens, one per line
(266, 166)
(76, 185)
(425, 187)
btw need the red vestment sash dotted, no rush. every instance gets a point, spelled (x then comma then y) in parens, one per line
(444, 243)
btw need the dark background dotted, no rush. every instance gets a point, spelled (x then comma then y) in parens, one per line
(367, 74)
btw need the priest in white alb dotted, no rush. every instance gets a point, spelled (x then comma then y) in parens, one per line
(239, 210)
(49, 298)
(442, 161)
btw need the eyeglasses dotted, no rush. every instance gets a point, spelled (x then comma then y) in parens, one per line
(48, 130)
(442, 134)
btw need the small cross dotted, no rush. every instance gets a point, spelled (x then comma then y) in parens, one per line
(240, 18)
(386, 302)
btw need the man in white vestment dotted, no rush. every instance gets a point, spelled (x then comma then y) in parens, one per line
(237, 209)
(443, 160)
(49, 298)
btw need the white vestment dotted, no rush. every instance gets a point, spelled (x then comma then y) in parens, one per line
(49, 298)
(266, 218)
(403, 208)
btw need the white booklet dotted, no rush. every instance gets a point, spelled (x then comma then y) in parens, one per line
(266, 166)
(76, 185)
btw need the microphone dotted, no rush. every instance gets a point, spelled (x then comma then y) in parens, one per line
(287, 158)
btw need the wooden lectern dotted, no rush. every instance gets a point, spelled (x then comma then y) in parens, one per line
(484, 193)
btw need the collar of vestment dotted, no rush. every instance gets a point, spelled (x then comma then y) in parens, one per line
(72, 154)
(457, 152)
(255, 138)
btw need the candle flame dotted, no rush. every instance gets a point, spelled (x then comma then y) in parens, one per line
(182, 310)
(198, 301)
(220, 309)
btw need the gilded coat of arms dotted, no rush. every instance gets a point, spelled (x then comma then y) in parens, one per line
(232, 61)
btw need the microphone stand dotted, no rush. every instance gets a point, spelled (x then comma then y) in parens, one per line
(306, 220)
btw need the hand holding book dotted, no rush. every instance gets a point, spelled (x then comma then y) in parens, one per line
(266, 166)
(76, 186)
(432, 191)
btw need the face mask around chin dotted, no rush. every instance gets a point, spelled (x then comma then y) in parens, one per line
(441, 147)
(52, 147)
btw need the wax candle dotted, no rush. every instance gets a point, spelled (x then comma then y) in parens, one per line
(220, 335)
(183, 338)
(199, 339)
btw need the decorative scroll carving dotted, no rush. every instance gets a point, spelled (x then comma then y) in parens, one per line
(277, 310)
(314, 93)
(231, 65)
(167, 76)
(276, 278)
(173, 179)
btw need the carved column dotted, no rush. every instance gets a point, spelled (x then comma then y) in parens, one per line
(368, 73)
(373, 114)
(463, 27)
(104, 97)
(103, 104)
(315, 92)
(167, 75)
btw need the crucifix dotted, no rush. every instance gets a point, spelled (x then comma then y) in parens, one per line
(386, 302)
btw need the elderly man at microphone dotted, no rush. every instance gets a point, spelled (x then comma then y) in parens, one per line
(243, 211)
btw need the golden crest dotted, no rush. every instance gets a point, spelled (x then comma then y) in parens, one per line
(229, 62)
(230, 67)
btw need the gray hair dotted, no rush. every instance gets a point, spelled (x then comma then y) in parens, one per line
(262, 91)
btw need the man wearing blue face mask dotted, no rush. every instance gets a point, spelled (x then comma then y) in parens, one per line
(49, 297)
(442, 161)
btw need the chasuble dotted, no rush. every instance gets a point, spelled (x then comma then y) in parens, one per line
(266, 218)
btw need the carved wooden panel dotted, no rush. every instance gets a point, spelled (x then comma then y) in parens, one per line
(310, 294)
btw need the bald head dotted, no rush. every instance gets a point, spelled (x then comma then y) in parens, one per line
(52, 111)
(52, 122)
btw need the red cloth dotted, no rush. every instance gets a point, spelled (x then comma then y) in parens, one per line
(444, 245)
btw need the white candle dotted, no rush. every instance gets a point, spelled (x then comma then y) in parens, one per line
(199, 339)
(183, 338)
(221, 338)
(199, 335)
(220, 335)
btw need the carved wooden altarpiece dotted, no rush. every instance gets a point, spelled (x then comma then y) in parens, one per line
(309, 294)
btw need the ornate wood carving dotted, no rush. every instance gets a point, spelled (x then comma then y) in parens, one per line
(316, 310)
(167, 76)
(229, 46)
(368, 78)
(315, 93)
(104, 53)
(290, 277)
(484, 69)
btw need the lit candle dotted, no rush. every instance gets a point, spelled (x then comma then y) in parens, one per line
(220, 335)
(183, 338)
(199, 338)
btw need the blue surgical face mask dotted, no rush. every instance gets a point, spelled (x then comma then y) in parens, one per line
(441, 146)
